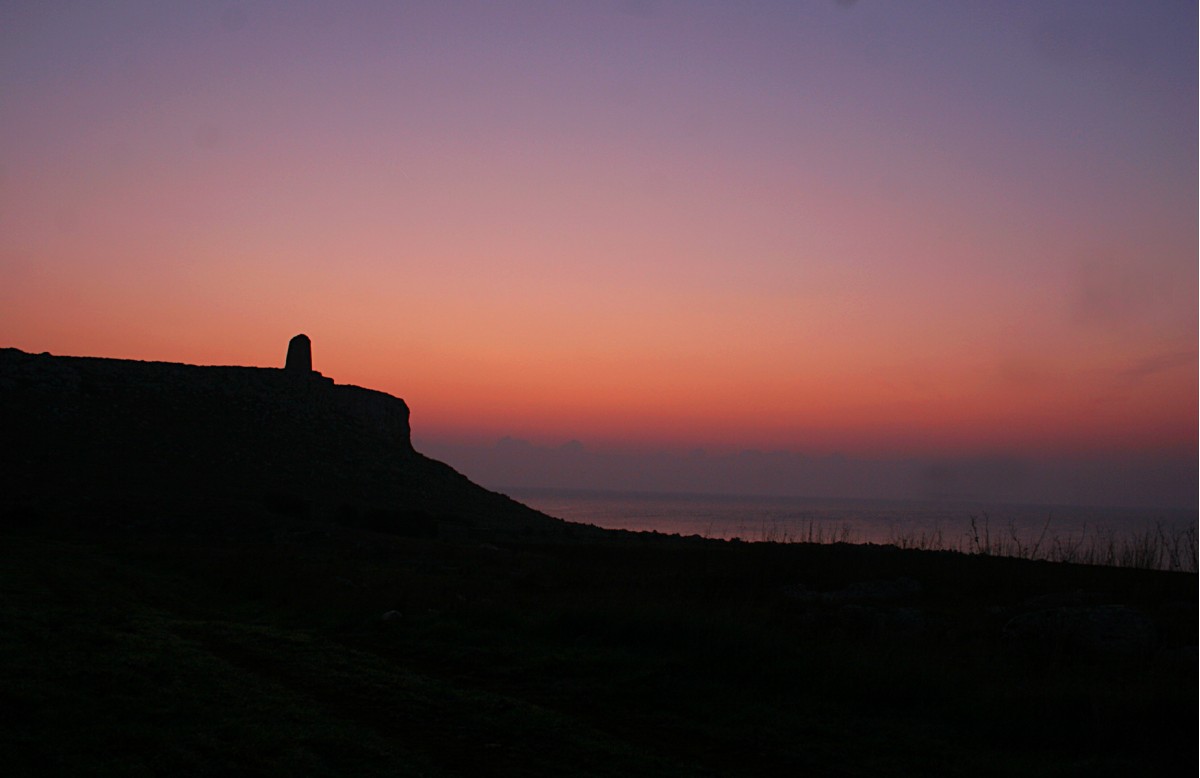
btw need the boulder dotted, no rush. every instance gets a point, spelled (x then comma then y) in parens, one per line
(1098, 629)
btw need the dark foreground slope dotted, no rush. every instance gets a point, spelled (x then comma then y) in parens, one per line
(213, 630)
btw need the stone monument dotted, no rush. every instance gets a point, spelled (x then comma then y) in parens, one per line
(299, 355)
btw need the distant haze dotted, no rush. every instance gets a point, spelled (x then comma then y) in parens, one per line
(953, 244)
(1163, 480)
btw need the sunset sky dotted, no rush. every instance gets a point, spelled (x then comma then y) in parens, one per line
(962, 231)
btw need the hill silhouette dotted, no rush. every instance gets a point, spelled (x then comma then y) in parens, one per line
(250, 571)
(134, 435)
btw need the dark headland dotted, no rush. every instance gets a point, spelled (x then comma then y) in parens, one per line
(129, 436)
(250, 571)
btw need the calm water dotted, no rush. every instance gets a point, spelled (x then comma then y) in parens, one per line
(1101, 535)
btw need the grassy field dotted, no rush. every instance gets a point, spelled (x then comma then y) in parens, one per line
(235, 641)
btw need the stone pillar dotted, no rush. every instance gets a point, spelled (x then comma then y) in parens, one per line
(299, 355)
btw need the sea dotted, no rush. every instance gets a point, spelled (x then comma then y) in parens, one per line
(1131, 537)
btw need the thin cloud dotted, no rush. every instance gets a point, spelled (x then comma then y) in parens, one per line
(1154, 364)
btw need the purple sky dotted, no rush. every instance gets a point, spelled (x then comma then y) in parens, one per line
(918, 232)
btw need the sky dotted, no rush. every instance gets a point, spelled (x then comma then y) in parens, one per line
(939, 247)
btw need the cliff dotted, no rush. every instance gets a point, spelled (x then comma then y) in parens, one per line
(85, 430)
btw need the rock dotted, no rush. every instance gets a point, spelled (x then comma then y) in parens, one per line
(876, 591)
(1077, 598)
(872, 621)
(800, 593)
(861, 591)
(392, 616)
(1100, 629)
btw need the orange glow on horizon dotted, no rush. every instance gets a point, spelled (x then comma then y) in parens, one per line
(808, 243)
